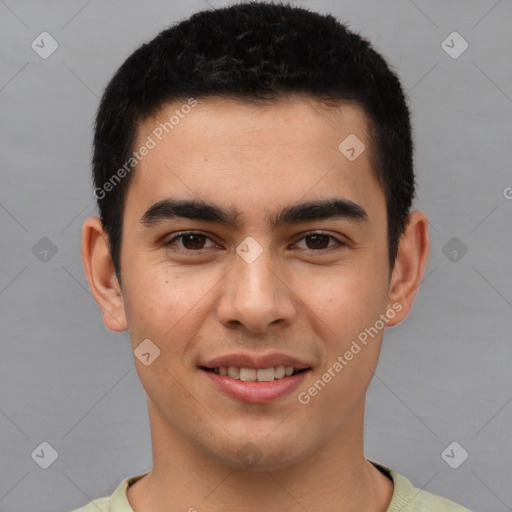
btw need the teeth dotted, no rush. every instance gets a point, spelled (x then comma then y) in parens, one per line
(248, 374)
(279, 372)
(233, 372)
(252, 374)
(265, 375)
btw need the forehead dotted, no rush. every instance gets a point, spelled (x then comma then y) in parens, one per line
(293, 121)
(272, 152)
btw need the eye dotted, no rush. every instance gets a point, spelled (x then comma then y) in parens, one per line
(319, 241)
(191, 241)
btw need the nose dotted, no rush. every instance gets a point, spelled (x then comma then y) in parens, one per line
(256, 296)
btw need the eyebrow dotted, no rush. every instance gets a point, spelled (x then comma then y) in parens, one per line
(335, 208)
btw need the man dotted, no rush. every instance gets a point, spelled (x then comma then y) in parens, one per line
(253, 171)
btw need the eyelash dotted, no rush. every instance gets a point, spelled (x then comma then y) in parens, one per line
(339, 244)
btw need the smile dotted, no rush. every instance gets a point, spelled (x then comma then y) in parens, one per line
(255, 374)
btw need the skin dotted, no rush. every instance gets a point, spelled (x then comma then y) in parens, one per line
(294, 298)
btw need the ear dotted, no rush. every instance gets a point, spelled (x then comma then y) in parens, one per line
(409, 266)
(100, 273)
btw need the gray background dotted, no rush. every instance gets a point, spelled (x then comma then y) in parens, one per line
(444, 374)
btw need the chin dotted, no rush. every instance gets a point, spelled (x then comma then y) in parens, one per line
(262, 454)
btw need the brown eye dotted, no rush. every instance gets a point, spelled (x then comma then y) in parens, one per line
(190, 242)
(317, 241)
(193, 241)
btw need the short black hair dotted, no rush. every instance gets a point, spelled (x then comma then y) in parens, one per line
(255, 51)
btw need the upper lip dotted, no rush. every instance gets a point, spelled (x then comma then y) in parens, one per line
(240, 360)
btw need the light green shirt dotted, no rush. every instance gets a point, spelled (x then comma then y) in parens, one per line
(406, 498)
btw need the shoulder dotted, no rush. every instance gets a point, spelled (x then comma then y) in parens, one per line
(407, 498)
(118, 502)
(427, 502)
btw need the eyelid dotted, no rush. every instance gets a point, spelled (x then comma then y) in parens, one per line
(339, 243)
(181, 234)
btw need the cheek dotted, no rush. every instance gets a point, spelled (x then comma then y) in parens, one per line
(348, 303)
(347, 300)
(167, 305)
(157, 311)
(154, 303)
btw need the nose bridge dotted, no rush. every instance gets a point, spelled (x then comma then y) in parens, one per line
(257, 280)
(254, 295)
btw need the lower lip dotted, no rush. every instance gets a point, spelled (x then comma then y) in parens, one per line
(256, 392)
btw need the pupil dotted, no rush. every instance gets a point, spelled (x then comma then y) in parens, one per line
(193, 241)
(319, 241)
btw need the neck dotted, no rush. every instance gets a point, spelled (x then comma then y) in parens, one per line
(336, 476)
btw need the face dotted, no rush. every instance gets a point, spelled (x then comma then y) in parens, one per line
(251, 241)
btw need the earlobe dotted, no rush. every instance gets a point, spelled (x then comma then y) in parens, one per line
(409, 266)
(100, 273)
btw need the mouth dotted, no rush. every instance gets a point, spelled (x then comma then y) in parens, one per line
(253, 378)
(243, 374)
